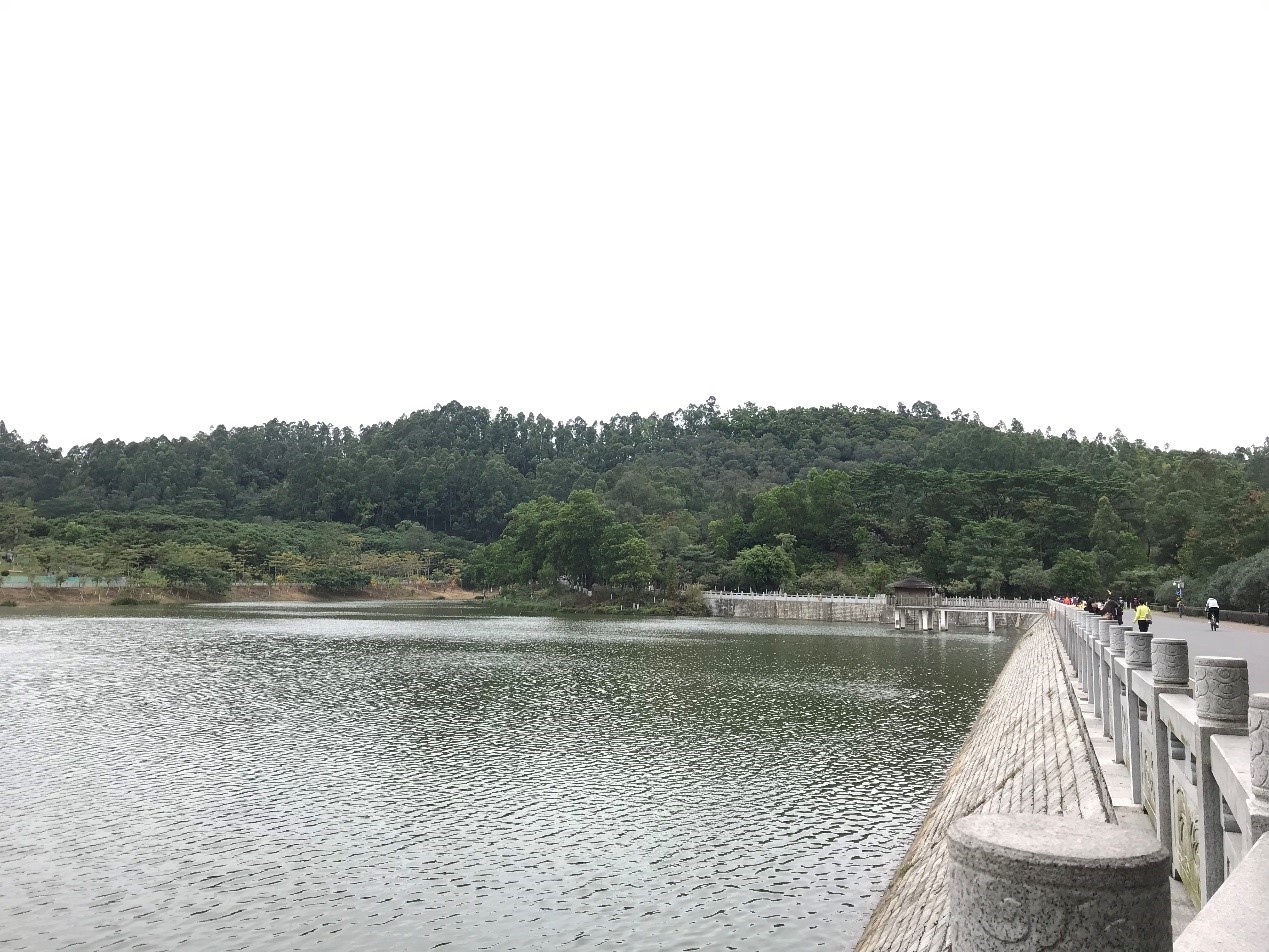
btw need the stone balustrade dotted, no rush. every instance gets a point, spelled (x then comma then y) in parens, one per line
(865, 599)
(924, 614)
(840, 608)
(1197, 750)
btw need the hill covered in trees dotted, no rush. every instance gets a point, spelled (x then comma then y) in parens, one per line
(827, 499)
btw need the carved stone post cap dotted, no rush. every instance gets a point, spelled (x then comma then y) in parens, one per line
(1169, 660)
(1214, 661)
(1024, 883)
(1220, 689)
(1059, 851)
(1137, 648)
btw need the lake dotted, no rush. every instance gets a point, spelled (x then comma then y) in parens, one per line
(381, 776)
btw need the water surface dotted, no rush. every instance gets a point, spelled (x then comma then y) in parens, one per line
(373, 777)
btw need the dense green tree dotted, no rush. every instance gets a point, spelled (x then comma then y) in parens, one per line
(195, 568)
(337, 578)
(864, 492)
(576, 536)
(628, 561)
(16, 523)
(1076, 573)
(764, 568)
(1030, 580)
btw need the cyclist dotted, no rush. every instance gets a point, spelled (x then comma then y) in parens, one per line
(1213, 612)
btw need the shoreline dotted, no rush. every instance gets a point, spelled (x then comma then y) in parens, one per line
(289, 592)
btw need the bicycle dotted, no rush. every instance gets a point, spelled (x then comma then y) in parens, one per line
(1214, 618)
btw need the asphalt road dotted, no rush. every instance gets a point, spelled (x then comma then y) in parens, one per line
(1231, 640)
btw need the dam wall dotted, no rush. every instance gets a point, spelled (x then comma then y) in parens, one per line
(1094, 721)
(954, 613)
(1028, 752)
(798, 607)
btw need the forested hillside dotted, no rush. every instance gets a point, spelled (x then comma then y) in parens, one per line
(832, 499)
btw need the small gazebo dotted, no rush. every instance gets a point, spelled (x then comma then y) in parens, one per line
(914, 597)
(913, 591)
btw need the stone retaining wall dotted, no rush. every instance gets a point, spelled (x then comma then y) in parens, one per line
(848, 608)
(798, 607)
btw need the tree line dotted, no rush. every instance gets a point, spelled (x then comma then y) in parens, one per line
(833, 499)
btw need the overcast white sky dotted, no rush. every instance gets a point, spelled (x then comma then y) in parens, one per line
(228, 212)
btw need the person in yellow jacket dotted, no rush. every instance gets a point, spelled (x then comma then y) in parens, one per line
(1143, 616)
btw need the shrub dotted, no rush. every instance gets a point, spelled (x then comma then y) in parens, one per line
(335, 578)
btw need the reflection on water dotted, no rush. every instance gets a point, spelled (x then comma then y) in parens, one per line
(378, 778)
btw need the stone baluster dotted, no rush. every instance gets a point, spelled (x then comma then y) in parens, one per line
(1081, 649)
(1136, 657)
(1094, 667)
(1170, 672)
(1258, 729)
(1103, 675)
(1120, 722)
(1027, 883)
(1089, 654)
(1222, 703)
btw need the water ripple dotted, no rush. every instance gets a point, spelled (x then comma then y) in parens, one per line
(304, 779)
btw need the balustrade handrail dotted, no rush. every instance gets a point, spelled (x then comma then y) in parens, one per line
(1197, 751)
(936, 601)
(719, 593)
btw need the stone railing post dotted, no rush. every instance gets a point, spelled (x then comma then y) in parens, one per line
(1026, 883)
(1081, 648)
(1099, 675)
(1258, 731)
(1136, 658)
(1103, 673)
(1118, 714)
(1222, 703)
(1170, 672)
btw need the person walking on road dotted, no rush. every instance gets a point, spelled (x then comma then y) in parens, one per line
(1143, 616)
(1214, 611)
